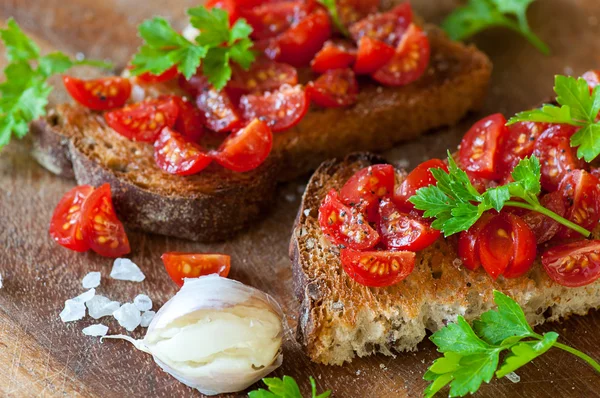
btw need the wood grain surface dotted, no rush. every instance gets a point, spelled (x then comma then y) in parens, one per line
(41, 356)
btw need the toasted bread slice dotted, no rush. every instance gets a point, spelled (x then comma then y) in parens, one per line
(340, 318)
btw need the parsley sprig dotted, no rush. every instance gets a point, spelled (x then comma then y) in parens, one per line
(214, 49)
(24, 93)
(472, 354)
(478, 15)
(456, 205)
(285, 388)
(331, 7)
(578, 107)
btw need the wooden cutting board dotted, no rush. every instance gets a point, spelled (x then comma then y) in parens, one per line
(41, 356)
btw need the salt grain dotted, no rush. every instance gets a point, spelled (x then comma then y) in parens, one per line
(512, 376)
(307, 212)
(147, 318)
(85, 296)
(125, 270)
(73, 311)
(142, 302)
(100, 306)
(128, 316)
(91, 280)
(97, 330)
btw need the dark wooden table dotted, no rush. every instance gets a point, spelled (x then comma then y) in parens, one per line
(41, 356)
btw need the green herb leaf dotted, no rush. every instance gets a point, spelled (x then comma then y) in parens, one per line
(527, 175)
(19, 47)
(459, 338)
(508, 321)
(474, 370)
(285, 387)
(525, 352)
(546, 114)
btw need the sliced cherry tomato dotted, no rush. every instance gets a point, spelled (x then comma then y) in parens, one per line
(245, 149)
(65, 226)
(418, 178)
(177, 155)
(388, 27)
(519, 143)
(557, 158)
(581, 192)
(271, 18)
(264, 75)
(101, 228)
(479, 147)
(230, 6)
(144, 120)
(401, 231)
(190, 119)
(573, 264)
(280, 109)
(299, 44)
(409, 61)
(372, 55)
(377, 268)
(468, 250)
(525, 248)
(220, 113)
(268, 47)
(345, 226)
(99, 94)
(334, 55)
(364, 189)
(592, 77)
(167, 75)
(334, 88)
(194, 265)
(544, 228)
(350, 11)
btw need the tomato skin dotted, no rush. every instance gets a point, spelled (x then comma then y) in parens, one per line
(525, 248)
(99, 94)
(167, 75)
(245, 149)
(280, 109)
(581, 193)
(401, 231)
(220, 113)
(389, 267)
(409, 61)
(272, 18)
(190, 120)
(333, 55)
(372, 55)
(299, 44)
(65, 225)
(592, 77)
(345, 226)
(364, 189)
(519, 144)
(388, 27)
(101, 228)
(194, 265)
(334, 89)
(573, 264)
(144, 120)
(468, 249)
(543, 227)
(478, 152)
(263, 75)
(174, 154)
(418, 178)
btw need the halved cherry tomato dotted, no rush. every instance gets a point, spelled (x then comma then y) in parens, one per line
(345, 226)
(220, 113)
(388, 27)
(299, 44)
(176, 155)
(167, 75)
(245, 149)
(592, 78)
(409, 61)
(271, 18)
(573, 264)
(334, 88)
(101, 228)
(264, 75)
(468, 250)
(334, 55)
(581, 193)
(230, 6)
(556, 156)
(544, 228)
(418, 178)
(401, 231)
(144, 120)
(350, 11)
(99, 94)
(478, 152)
(364, 189)
(194, 265)
(65, 226)
(280, 109)
(377, 268)
(372, 55)
(190, 119)
(519, 143)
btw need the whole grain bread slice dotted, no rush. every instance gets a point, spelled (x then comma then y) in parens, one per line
(340, 318)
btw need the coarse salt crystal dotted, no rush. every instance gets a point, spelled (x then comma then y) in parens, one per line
(142, 302)
(147, 318)
(97, 330)
(512, 376)
(73, 311)
(307, 212)
(125, 270)
(91, 280)
(100, 306)
(128, 316)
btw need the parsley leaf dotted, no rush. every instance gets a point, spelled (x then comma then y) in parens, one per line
(335, 16)
(285, 387)
(526, 352)
(508, 321)
(478, 15)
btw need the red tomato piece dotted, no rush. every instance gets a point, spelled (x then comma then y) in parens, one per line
(525, 249)
(573, 264)
(418, 178)
(334, 88)
(245, 149)
(194, 85)
(271, 18)
(345, 226)
(350, 11)
(478, 152)
(388, 27)
(592, 77)
(468, 250)
(557, 158)
(401, 231)
(409, 61)
(65, 226)
(174, 154)
(101, 228)
(299, 44)
(519, 143)
(145, 120)
(372, 55)
(99, 94)
(544, 228)
(377, 268)
(230, 6)
(195, 265)
(364, 189)
(268, 47)
(167, 75)
(595, 172)
(581, 193)
(280, 109)
(220, 113)
(262, 76)
(334, 55)
(190, 120)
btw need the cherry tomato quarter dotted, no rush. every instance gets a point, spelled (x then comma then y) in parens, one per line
(372, 55)
(99, 94)
(468, 249)
(334, 55)
(419, 178)
(279, 109)
(573, 264)
(364, 189)
(220, 113)
(175, 154)
(263, 75)
(272, 18)
(544, 228)
(167, 75)
(401, 231)
(65, 226)
(299, 44)
(581, 192)
(519, 143)
(388, 27)
(194, 265)
(334, 88)
(377, 268)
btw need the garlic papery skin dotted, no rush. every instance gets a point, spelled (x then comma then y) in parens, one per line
(216, 335)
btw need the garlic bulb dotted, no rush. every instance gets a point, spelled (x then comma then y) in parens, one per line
(216, 335)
